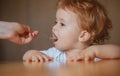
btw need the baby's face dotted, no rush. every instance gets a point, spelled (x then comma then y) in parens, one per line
(66, 30)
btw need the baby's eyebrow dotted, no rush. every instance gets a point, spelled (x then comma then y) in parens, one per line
(63, 20)
(60, 19)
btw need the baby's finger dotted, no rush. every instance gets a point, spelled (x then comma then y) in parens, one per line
(79, 58)
(40, 59)
(34, 59)
(27, 58)
(46, 59)
(86, 58)
(70, 59)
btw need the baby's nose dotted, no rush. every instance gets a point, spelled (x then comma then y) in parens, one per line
(54, 28)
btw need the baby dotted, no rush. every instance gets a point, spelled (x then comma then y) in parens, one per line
(79, 33)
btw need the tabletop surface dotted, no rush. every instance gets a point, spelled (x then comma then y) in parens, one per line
(100, 68)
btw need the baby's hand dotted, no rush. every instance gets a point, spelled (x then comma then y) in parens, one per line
(85, 55)
(36, 56)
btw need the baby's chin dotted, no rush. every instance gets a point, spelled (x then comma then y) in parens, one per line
(60, 48)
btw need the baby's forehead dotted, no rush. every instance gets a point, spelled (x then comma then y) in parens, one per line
(65, 15)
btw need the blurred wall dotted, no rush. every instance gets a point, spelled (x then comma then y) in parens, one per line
(40, 15)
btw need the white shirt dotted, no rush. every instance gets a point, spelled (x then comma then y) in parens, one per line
(58, 55)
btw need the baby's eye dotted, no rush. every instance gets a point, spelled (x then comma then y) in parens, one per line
(62, 24)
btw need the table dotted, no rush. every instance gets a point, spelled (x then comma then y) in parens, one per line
(99, 68)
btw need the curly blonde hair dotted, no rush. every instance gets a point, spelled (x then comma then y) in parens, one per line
(92, 17)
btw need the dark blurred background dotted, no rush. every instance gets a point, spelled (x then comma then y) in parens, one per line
(40, 15)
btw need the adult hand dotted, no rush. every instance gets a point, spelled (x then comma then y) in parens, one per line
(17, 33)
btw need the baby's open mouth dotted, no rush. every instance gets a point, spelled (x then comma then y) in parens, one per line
(54, 37)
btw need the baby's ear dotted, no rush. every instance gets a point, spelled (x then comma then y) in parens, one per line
(84, 36)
